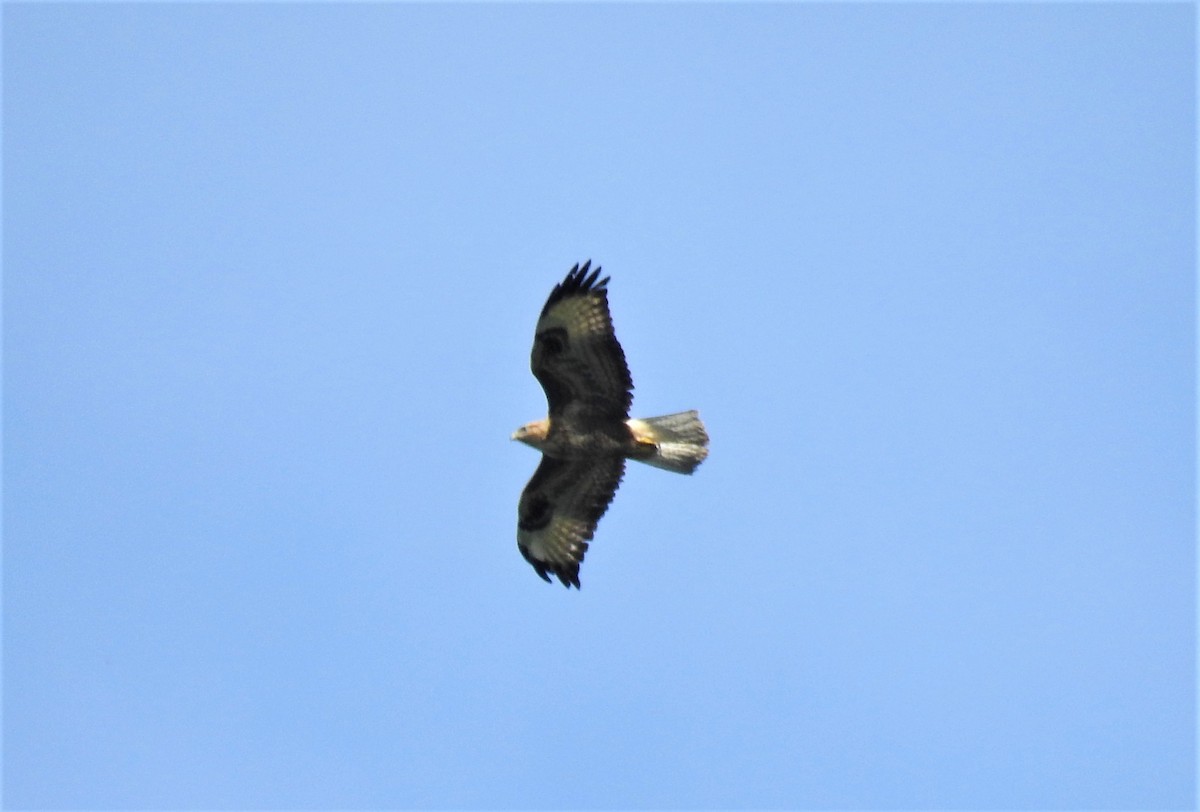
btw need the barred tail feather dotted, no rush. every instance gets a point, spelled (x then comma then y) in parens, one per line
(680, 441)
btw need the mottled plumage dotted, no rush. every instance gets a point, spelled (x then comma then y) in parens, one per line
(588, 434)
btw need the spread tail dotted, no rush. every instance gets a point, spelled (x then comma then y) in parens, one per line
(680, 441)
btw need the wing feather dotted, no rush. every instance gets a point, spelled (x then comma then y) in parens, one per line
(576, 356)
(559, 511)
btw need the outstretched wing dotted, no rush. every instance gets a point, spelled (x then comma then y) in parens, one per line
(576, 356)
(559, 511)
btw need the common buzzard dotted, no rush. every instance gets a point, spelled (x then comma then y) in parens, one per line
(588, 434)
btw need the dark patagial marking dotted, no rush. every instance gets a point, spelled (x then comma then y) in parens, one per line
(537, 514)
(553, 340)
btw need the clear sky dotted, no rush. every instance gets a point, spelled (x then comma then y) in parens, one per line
(270, 279)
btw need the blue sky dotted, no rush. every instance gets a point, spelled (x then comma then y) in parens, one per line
(270, 279)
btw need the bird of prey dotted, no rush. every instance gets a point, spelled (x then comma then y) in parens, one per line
(588, 434)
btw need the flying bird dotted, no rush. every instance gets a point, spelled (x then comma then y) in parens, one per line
(588, 434)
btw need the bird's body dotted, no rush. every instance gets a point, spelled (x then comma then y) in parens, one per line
(588, 434)
(565, 439)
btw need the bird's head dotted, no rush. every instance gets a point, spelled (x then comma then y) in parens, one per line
(534, 433)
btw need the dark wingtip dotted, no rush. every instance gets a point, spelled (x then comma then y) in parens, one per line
(538, 567)
(577, 281)
(568, 576)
